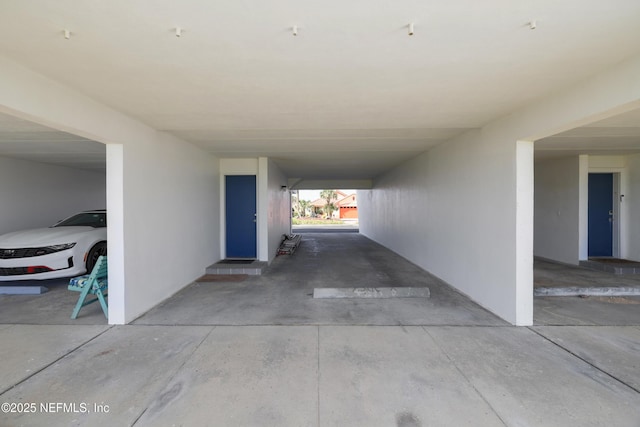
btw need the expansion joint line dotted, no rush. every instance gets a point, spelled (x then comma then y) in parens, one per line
(55, 361)
(455, 365)
(584, 360)
(318, 375)
(175, 373)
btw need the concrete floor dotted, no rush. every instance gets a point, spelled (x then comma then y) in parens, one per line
(51, 308)
(283, 295)
(583, 311)
(441, 362)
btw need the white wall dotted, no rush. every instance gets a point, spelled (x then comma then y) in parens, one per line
(464, 210)
(452, 211)
(278, 209)
(557, 202)
(583, 214)
(171, 223)
(36, 195)
(632, 202)
(163, 193)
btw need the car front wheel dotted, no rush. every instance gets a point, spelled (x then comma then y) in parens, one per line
(94, 254)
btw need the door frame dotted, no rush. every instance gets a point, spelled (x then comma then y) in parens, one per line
(617, 225)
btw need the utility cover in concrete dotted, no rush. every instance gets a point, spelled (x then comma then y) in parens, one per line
(22, 290)
(403, 292)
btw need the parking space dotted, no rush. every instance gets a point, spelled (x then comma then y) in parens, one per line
(584, 309)
(53, 307)
(283, 294)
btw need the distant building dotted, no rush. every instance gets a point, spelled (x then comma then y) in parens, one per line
(348, 207)
(346, 204)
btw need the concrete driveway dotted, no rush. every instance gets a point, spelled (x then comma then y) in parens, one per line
(205, 357)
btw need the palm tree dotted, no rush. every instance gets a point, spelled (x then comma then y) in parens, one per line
(295, 204)
(329, 196)
(304, 205)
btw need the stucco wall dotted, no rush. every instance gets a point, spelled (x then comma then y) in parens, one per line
(470, 217)
(278, 209)
(632, 201)
(557, 200)
(461, 225)
(162, 193)
(34, 195)
(171, 223)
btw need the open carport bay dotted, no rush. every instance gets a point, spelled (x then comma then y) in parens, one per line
(283, 295)
(53, 307)
(47, 175)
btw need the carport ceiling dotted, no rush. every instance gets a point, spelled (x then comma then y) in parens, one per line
(352, 93)
(613, 136)
(21, 139)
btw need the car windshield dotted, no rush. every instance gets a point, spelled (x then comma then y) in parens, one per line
(85, 219)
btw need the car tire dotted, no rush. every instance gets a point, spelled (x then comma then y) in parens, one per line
(95, 252)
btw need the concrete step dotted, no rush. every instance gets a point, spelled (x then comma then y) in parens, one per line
(252, 268)
(612, 267)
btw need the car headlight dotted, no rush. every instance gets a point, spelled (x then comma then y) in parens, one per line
(31, 252)
(46, 250)
(58, 248)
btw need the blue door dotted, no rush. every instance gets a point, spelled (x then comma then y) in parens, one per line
(240, 202)
(600, 214)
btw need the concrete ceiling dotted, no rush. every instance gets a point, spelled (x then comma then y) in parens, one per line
(21, 139)
(613, 136)
(351, 95)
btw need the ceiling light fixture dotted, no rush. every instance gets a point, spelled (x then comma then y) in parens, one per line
(67, 34)
(295, 30)
(178, 31)
(411, 29)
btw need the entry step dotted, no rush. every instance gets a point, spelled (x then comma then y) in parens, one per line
(232, 266)
(612, 265)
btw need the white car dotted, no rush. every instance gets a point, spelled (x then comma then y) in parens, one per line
(69, 248)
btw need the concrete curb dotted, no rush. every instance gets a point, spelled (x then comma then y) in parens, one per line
(401, 292)
(23, 290)
(577, 291)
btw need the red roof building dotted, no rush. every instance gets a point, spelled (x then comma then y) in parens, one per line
(346, 203)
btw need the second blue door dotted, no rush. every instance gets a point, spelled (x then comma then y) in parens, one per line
(240, 202)
(600, 214)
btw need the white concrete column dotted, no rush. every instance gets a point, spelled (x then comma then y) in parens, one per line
(583, 207)
(115, 233)
(524, 233)
(263, 208)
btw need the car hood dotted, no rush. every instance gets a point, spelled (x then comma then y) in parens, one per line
(42, 236)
